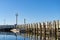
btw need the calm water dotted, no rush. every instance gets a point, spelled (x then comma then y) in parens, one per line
(20, 36)
(11, 36)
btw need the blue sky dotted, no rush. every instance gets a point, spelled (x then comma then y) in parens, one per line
(31, 10)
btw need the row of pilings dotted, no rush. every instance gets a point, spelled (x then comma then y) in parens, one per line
(41, 31)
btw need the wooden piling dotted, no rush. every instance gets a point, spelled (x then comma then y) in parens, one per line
(40, 31)
(44, 35)
(55, 34)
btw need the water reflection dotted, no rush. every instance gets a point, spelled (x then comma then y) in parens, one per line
(30, 36)
(11, 36)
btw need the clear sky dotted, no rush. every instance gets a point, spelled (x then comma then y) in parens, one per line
(31, 10)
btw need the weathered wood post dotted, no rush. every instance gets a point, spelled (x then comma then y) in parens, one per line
(27, 30)
(48, 30)
(44, 34)
(37, 31)
(40, 31)
(55, 30)
(52, 31)
(31, 31)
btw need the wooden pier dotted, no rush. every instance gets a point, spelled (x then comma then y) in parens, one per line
(43, 31)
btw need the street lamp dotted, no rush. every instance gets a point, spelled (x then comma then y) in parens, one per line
(16, 22)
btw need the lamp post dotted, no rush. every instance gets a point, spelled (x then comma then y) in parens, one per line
(24, 27)
(16, 18)
(16, 23)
